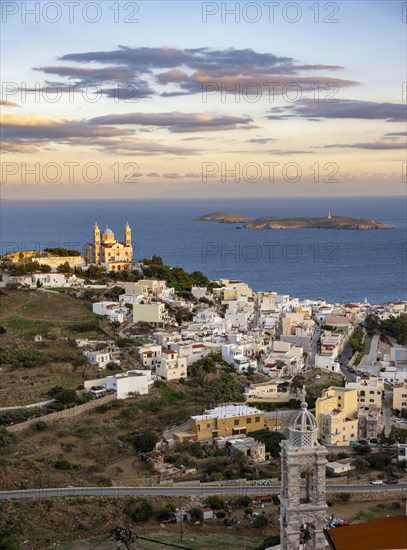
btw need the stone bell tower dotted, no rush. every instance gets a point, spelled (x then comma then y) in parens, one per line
(96, 243)
(127, 234)
(303, 461)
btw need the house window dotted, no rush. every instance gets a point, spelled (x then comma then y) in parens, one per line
(236, 422)
(249, 420)
(257, 419)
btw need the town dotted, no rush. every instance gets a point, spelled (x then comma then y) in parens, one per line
(124, 372)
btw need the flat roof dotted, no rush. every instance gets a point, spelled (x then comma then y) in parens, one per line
(381, 534)
(228, 411)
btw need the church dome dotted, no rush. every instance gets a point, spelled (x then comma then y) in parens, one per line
(303, 430)
(304, 421)
(107, 231)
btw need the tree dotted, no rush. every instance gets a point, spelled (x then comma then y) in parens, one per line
(216, 502)
(144, 443)
(139, 510)
(64, 268)
(3, 330)
(261, 521)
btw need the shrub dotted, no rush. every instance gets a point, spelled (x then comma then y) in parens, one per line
(243, 500)
(112, 366)
(216, 502)
(6, 438)
(139, 510)
(195, 513)
(40, 426)
(344, 497)
(221, 514)
(62, 464)
(259, 522)
(144, 443)
(166, 514)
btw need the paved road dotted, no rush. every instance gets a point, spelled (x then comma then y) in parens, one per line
(203, 490)
(370, 358)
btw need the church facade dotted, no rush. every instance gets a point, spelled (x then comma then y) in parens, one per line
(109, 253)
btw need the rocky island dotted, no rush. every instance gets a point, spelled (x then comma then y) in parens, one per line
(224, 217)
(275, 222)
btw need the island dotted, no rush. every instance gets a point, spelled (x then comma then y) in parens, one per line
(276, 222)
(224, 217)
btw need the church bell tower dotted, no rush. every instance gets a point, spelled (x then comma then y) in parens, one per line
(96, 243)
(303, 509)
(127, 234)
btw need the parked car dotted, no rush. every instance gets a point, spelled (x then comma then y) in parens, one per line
(374, 440)
(392, 481)
(317, 377)
(377, 482)
(363, 442)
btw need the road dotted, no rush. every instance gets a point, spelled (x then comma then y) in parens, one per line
(368, 362)
(201, 490)
(31, 406)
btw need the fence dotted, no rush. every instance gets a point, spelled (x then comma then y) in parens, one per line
(67, 413)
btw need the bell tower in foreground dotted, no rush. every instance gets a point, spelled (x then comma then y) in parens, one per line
(303, 461)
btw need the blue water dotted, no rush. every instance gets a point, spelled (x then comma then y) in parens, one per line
(337, 265)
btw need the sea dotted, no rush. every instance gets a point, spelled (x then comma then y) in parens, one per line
(334, 265)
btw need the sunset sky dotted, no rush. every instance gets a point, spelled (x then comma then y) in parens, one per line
(121, 99)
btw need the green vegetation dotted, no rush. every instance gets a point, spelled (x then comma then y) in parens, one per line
(395, 327)
(64, 252)
(23, 356)
(7, 418)
(28, 268)
(216, 502)
(176, 277)
(356, 341)
(260, 521)
(344, 497)
(139, 510)
(144, 443)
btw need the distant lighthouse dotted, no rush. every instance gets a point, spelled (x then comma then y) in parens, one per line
(329, 215)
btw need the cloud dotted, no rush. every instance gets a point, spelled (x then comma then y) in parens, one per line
(177, 122)
(260, 141)
(341, 109)
(29, 134)
(388, 142)
(190, 71)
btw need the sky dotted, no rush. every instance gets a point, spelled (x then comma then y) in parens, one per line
(203, 99)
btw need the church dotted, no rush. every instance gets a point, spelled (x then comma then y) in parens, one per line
(109, 253)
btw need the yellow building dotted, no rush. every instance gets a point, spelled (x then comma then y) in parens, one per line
(222, 421)
(109, 253)
(337, 428)
(336, 414)
(400, 395)
(150, 313)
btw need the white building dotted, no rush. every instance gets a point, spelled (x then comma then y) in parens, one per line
(191, 350)
(99, 358)
(112, 310)
(150, 355)
(171, 367)
(129, 383)
(289, 354)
